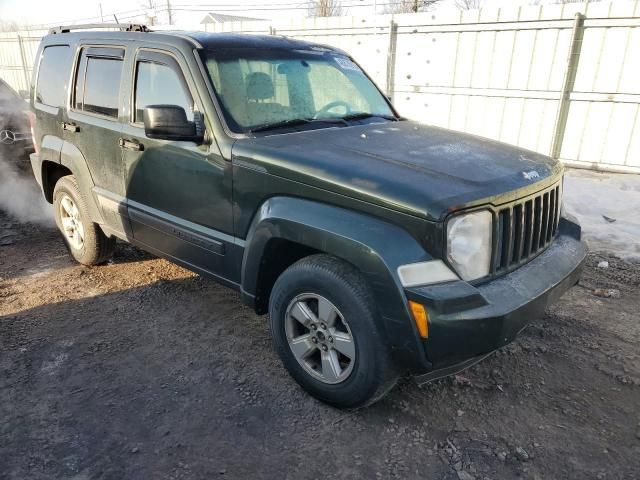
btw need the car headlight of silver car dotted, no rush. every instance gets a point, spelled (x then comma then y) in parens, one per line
(469, 240)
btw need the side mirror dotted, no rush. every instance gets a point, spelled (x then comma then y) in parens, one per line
(169, 122)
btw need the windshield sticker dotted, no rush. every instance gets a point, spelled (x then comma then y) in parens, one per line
(312, 52)
(346, 64)
(321, 48)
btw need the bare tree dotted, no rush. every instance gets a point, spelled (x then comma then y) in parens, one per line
(469, 4)
(151, 8)
(325, 8)
(564, 2)
(409, 6)
(9, 26)
(560, 2)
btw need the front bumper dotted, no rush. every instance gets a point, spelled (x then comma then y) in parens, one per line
(468, 322)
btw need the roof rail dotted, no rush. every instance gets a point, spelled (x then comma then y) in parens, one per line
(127, 27)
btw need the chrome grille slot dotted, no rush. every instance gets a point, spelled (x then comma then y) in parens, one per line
(525, 228)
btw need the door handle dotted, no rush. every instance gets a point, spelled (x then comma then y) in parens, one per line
(70, 127)
(131, 144)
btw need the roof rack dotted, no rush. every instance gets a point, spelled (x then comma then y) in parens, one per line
(126, 27)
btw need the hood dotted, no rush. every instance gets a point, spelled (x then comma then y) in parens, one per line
(422, 170)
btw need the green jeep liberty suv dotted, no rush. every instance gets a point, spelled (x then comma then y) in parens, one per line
(378, 246)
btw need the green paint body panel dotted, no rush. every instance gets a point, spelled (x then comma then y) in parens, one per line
(72, 158)
(376, 195)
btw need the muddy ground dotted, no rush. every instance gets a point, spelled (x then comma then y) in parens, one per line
(139, 369)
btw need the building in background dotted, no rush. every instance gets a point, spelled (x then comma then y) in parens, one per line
(213, 18)
(556, 78)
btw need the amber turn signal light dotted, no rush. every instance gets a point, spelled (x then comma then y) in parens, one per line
(421, 317)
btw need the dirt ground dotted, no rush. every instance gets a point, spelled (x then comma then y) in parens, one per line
(139, 369)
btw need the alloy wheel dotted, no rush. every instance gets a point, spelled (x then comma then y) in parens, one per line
(320, 338)
(72, 226)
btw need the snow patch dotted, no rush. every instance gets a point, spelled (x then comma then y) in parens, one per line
(592, 196)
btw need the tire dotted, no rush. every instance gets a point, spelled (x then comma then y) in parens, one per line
(359, 381)
(95, 247)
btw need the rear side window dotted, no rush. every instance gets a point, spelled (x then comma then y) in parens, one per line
(53, 75)
(158, 84)
(98, 82)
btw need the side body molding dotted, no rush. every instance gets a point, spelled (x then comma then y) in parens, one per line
(376, 248)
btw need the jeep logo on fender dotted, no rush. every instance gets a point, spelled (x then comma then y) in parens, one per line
(532, 175)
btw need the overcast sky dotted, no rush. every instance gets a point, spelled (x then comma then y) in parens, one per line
(33, 12)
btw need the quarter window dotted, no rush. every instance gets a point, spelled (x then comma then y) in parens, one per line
(52, 75)
(159, 84)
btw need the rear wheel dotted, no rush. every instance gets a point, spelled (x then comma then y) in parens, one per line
(86, 242)
(324, 326)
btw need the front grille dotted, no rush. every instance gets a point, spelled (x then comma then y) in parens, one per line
(525, 228)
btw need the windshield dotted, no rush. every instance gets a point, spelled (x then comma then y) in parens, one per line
(263, 89)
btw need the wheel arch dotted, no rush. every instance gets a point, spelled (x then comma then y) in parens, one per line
(286, 229)
(278, 254)
(72, 159)
(51, 173)
(60, 158)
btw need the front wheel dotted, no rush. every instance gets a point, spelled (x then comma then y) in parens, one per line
(86, 242)
(324, 326)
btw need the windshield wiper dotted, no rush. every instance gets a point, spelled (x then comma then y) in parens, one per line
(363, 115)
(292, 122)
(284, 123)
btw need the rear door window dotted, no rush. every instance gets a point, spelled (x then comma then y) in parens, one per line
(53, 75)
(98, 81)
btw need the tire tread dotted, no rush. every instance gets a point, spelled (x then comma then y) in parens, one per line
(98, 248)
(347, 277)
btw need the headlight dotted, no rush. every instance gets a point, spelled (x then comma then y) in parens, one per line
(469, 238)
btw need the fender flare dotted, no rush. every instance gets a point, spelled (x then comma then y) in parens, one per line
(373, 246)
(50, 148)
(74, 160)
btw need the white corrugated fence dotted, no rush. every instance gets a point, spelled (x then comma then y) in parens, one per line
(562, 80)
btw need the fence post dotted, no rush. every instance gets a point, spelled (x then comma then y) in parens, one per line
(577, 34)
(391, 57)
(23, 59)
